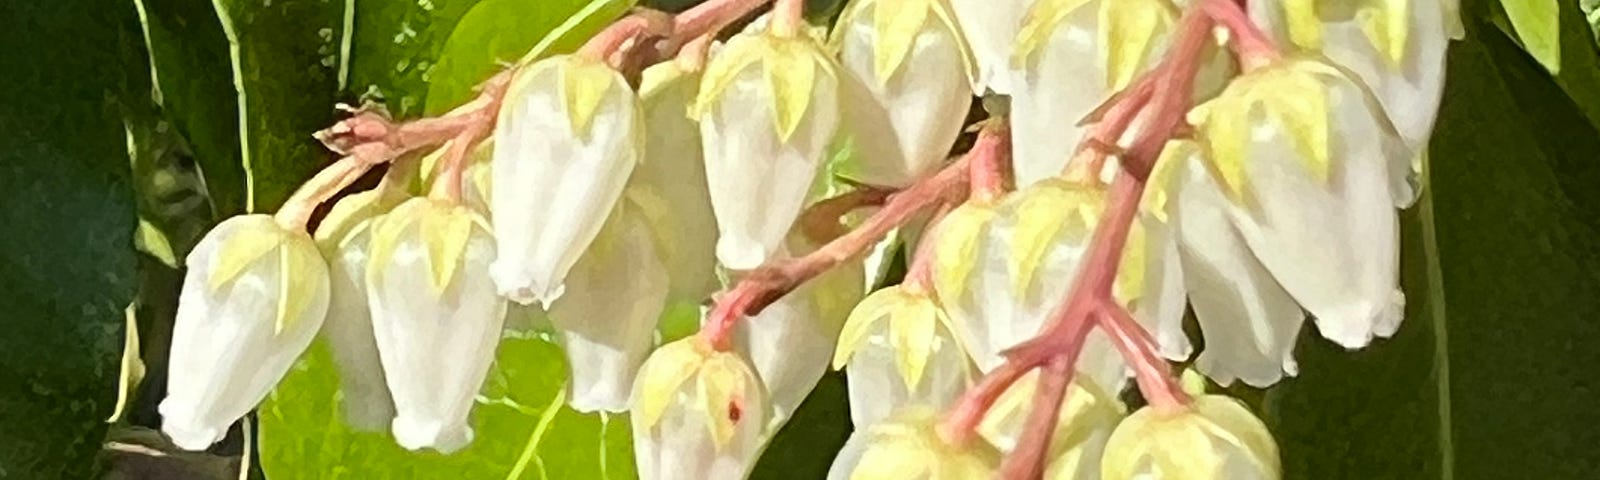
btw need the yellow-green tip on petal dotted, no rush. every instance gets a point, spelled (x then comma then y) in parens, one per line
(1305, 28)
(584, 84)
(879, 304)
(663, 374)
(1051, 211)
(1291, 94)
(1387, 25)
(1038, 25)
(792, 65)
(721, 385)
(912, 329)
(956, 253)
(301, 271)
(895, 25)
(1128, 33)
(1201, 438)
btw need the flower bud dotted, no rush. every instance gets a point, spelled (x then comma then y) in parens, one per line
(568, 137)
(1304, 160)
(1214, 437)
(671, 183)
(791, 341)
(1071, 56)
(698, 414)
(900, 350)
(435, 315)
(1395, 47)
(1088, 414)
(252, 301)
(768, 108)
(925, 106)
(907, 447)
(344, 237)
(607, 319)
(1248, 321)
(991, 30)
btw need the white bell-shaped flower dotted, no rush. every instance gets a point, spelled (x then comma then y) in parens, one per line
(697, 414)
(345, 239)
(1088, 415)
(1395, 47)
(252, 301)
(1071, 56)
(435, 315)
(1213, 438)
(791, 342)
(1247, 319)
(768, 108)
(1303, 155)
(670, 184)
(906, 447)
(606, 320)
(991, 30)
(911, 59)
(568, 137)
(899, 350)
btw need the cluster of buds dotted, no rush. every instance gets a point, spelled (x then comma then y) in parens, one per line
(1241, 158)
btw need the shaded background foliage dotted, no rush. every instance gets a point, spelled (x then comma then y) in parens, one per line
(128, 127)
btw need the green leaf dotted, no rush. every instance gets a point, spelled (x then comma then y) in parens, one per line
(66, 252)
(285, 58)
(193, 86)
(497, 33)
(805, 446)
(522, 426)
(1490, 376)
(395, 49)
(1538, 25)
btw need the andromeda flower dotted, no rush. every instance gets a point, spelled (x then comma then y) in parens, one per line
(568, 137)
(880, 41)
(900, 350)
(435, 315)
(768, 108)
(697, 414)
(253, 299)
(1088, 415)
(344, 237)
(906, 447)
(991, 29)
(607, 319)
(1215, 437)
(670, 185)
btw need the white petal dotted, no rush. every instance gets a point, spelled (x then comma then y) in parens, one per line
(1165, 298)
(607, 319)
(758, 182)
(877, 389)
(1248, 321)
(364, 393)
(674, 169)
(436, 345)
(844, 463)
(680, 444)
(926, 100)
(991, 29)
(553, 189)
(1333, 245)
(987, 314)
(225, 354)
(1057, 89)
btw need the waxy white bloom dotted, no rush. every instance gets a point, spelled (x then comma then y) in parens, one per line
(1395, 47)
(911, 59)
(900, 350)
(670, 184)
(252, 301)
(1071, 56)
(697, 414)
(991, 29)
(607, 319)
(1025, 258)
(435, 315)
(345, 239)
(768, 108)
(568, 137)
(1088, 415)
(791, 341)
(1215, 437)
(1304, 160)
(907, 447)
(1248, 321)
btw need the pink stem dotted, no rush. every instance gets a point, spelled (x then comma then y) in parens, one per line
(821, 222)
(764, 285)
(1027, 461)
(919, 275)
(1136, 345)
(787, 17)
(991, 162)
(1250, 44)
(296, 212)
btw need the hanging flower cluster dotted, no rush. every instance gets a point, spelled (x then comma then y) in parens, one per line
(1240, 159)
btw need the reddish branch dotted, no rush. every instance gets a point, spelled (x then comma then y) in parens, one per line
(772, 281)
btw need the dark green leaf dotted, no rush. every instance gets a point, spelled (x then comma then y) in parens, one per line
(805, 446)
(395, 48)
(285, 61)
(66, 254)
(1488, 378)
